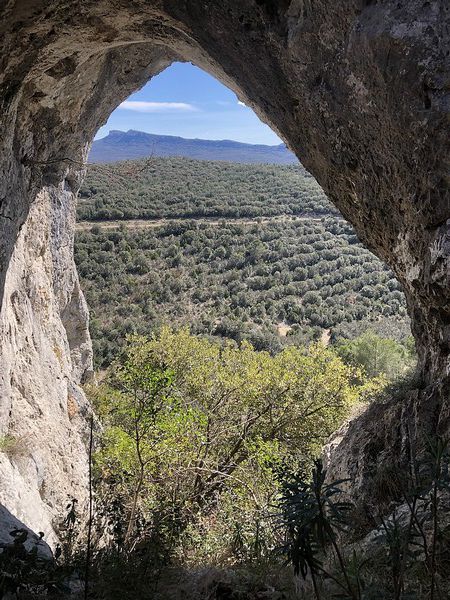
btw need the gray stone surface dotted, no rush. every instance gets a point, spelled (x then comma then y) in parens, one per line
(45, 352)
(9, 523)
(359, 90)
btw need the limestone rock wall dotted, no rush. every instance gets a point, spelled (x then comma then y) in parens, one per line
(45, 348)
(45, 353)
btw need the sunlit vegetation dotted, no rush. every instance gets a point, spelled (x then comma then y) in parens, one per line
(206, 453)
(181, 187)
(272, 283)
(378, 355)
(297, 273)
(197, 438)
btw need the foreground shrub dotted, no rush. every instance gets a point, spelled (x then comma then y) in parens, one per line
(197, 435)
(405, 558)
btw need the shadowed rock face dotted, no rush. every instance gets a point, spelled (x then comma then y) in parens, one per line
(358, 89)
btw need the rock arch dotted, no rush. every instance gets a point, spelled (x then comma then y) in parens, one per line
(358, 89)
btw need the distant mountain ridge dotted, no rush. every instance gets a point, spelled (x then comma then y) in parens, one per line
(125, 145)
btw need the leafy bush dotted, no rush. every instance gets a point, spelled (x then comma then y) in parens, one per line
(377, 355)
(196, 434)
(405, 558)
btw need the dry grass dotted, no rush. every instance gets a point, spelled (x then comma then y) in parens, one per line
(283, 329)
(13, 446)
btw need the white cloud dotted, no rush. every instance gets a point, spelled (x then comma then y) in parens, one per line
(157, 107)
(242, 104)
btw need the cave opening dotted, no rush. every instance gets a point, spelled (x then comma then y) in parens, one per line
(342, 85)
(168, 241)
(240, 251)
(268, 258)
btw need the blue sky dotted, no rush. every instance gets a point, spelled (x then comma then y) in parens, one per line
(184, 100)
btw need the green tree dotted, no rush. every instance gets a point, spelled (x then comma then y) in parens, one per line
(143, 421)
(194, 428)
(377, 355)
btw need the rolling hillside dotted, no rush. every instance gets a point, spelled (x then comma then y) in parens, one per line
(238, 251)
(185, 188)
(126, 145)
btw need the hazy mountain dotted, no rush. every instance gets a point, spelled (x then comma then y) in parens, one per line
(121, 145)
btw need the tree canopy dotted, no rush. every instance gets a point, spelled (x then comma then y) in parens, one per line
(194, 428)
